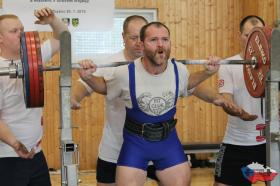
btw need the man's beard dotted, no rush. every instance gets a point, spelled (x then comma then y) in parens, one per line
(156, 60)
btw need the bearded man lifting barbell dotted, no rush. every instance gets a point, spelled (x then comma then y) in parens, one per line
(20, 128)
(150, 87)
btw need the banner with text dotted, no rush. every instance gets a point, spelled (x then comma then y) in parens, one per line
(79, 15)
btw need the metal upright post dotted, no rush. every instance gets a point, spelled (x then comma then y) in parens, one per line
(68, 149)
(272, 108)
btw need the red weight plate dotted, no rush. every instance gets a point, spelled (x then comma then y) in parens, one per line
(35, 69)
(258, 47)
(40, 69)
(30, 69)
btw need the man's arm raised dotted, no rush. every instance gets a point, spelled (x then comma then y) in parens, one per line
(46, 16)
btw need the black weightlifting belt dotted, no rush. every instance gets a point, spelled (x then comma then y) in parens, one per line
(151, 131)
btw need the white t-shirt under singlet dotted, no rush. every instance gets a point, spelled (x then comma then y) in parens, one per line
(24, 123)
(155, 94)
(239, 132)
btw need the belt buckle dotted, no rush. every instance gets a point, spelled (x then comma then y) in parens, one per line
(143, 129)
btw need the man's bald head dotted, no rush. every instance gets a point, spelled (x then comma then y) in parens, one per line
(6, 16)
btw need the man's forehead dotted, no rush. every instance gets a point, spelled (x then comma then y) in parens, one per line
(248, 27)
(10, 23)
(10, 19)
(249, 24)
(152, 30)
(136, 22)
(135, 28)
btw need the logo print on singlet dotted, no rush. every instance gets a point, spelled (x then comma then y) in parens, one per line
(156, 105)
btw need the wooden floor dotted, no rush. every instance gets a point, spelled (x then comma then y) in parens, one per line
(200, 177)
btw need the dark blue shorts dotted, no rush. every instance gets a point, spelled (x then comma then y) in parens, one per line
(106, 172)
(137, 152)
(15, 171)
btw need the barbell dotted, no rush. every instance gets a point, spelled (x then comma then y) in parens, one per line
(255, 65)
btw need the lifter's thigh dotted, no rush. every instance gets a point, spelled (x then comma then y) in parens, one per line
(129, 176)
(178, 175)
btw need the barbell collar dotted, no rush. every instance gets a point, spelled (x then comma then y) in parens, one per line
(13, 71)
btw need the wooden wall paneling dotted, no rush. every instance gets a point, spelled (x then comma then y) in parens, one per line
(170, 22)
(230, 25)
(277, 10)
(237, 16)
(190, 30)
(177, 43)
(186, 34)
(204, 21)
(191, 108)
(264, 9)
(211, 40)
(208, 27)
(214, 37)
(251, 7)
(218, 30)
(209, 51)
(188, 53)
(178, 21)
(224, 6)
(259, 8)
(200, 126)
(200, 131)
(165, 15)
(150, 3)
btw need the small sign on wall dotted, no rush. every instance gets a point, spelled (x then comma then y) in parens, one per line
(79, 15)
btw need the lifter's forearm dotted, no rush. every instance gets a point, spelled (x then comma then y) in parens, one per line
(206, 93)
(79, 91)
(197, 77)
(6, 135)
(98, 84)
(58, 27)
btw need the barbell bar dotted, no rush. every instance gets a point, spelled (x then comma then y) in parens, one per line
(185, 62)
(14, 70)
(255, 65)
